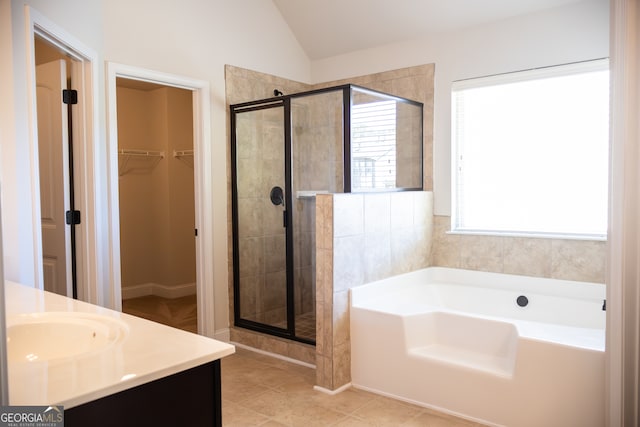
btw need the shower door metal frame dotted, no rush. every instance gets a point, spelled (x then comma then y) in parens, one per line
(285, 102)
(289, 331)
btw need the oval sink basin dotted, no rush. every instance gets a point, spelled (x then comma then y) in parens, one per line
(51, 336)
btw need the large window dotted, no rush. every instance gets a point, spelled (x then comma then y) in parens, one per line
(530, 152)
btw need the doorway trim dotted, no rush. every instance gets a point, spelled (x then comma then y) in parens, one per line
(84, 62)
(202, 175)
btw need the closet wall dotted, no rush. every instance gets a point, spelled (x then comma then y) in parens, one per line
(157, 209)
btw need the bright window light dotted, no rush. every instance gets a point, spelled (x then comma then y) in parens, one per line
(373, 145)
(530, 152)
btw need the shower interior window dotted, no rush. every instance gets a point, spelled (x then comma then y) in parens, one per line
(373, 145)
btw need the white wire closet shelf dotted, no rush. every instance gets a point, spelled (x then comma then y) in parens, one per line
(127, 154)
(140, 153)
(182, 153)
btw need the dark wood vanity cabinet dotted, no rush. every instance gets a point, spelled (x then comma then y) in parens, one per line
(188, 398)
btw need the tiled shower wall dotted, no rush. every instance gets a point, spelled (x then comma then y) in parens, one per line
(361, 238)
(317, 166)
(415, 83)
(243, 85)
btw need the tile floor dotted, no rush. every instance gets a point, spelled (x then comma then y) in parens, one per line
(259, 390)
(180, 312)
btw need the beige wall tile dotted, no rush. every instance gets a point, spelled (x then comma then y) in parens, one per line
(327, 333)
(446, 247)
(320, 274)
(341, 333)
(484, 253)
(303, 352)
(324, 372)
(324, 221)
(274, 253)
(341, 364)
(578, 260)
(527, 256)
(273, 345)
(581, 260)
(320, 328)
(250, 218)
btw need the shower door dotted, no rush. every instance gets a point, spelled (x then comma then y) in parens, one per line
(261, 239)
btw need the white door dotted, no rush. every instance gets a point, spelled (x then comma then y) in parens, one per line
(54, 176)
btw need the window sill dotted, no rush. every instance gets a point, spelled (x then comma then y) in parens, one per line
(591, 237)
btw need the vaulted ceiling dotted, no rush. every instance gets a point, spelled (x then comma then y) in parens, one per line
(327, 28)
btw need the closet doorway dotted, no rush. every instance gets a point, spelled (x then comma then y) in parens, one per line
(157, 202)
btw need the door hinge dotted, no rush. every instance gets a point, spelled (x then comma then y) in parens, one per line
(69, 96)
(73, 217)
(196, 232)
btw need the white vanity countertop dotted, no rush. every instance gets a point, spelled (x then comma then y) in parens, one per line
(143, 351)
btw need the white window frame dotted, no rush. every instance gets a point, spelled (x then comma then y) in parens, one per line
(521, 76)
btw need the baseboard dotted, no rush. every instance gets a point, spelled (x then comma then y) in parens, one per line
(424, 405)
(156, 289)
(137, 291)
(222, 335)
(332, 392)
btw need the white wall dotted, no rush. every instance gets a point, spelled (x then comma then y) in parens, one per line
(20, 219)
(575, 32)
(196, 38)
(192, 38)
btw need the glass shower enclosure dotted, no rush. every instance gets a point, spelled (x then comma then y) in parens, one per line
(284, 151)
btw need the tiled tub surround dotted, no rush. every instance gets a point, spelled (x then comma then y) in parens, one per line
(361, 238)
(445, 337)
(581, 260)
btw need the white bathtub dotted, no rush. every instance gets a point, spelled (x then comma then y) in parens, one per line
(457, 341)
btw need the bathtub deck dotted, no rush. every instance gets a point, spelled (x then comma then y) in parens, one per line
(469, 349)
